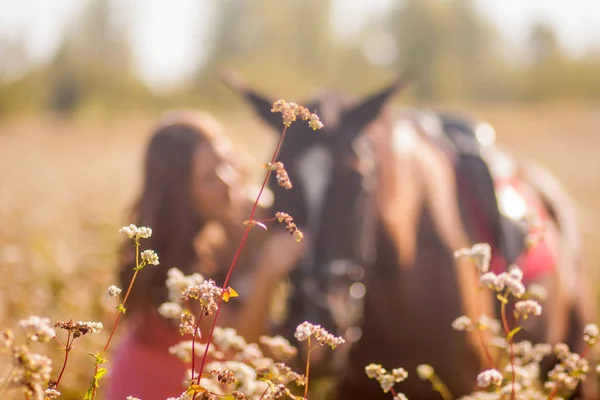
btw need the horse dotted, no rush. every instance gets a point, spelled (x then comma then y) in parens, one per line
(381, 194)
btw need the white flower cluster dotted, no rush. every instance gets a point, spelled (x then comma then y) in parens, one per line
(386, 380)
(150, 257)
(113, 291)
(134, 232)
(511, 281)
(480, 254)
(489, 377)
(306, 330)
(37, 328)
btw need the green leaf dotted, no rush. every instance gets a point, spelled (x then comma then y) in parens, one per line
(101, 373)
(502, 298)
(513, 333)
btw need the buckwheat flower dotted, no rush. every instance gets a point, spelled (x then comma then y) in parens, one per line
(425, 371)
(489, 377)
(400, 396)
(399, 374)
(287, 110)
(507, 390)
(133, 232)
(590, 334)
(512, 281)
(225, 376)
(31, 372)
(516, 273)
(314, 122)
(486, 322)
(177, 282)
(37, 328)
(207, 293)
(144, 232)
(281, 174)
(279, 346)
(246, 377)
(525, 308)
(375, 371)
(187, 325)
(540, 351)
(183, 350)
(52, 394)
(150, 257)
(250, 353)
(561, 377)
(386, 382)
(284, 375)
(492, 281)
(537, 292)
(561, 350)
(130, 231)
(228, 339)
(290, 111)
(306, 330)
(462, 323)
(290, 226)
(79, 328)
(114, 291)
(523, 348)
(526, 375)
(7, 338)
(184, 396)
(170, 310)
(132, 398)
(480, 254)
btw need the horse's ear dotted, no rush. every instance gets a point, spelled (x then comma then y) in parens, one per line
(262, 104)
(369, 109)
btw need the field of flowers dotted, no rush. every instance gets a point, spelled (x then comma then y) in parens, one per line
(65, 189)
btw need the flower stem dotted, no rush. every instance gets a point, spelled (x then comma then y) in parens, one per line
(307, 370)
(114, 328)
(510, 343)
(68, 347)
(194, 345)
(237, 253)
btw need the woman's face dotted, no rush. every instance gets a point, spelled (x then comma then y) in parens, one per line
(216, 185)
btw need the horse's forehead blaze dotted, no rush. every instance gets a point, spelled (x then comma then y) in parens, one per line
(313, 169)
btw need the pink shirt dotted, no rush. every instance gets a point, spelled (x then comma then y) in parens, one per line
(141, 366)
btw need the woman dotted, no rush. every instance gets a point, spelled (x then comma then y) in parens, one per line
(195, 199)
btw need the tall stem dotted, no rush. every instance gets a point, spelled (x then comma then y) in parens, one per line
(510, 343)
(307, 370)
(237, 254)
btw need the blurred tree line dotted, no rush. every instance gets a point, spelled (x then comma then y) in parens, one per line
(290, 48)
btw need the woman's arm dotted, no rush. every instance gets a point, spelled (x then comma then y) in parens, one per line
(278, 255)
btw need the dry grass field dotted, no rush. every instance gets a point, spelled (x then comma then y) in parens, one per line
(65, 188)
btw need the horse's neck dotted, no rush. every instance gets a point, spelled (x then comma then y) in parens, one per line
(415, 174)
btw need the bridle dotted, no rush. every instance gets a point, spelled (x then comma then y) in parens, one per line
(333, 294)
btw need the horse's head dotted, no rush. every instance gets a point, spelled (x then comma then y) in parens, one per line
(334, 177)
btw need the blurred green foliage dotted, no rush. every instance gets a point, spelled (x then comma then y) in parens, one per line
(290, 48)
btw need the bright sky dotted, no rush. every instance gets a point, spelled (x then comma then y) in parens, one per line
(164, 31)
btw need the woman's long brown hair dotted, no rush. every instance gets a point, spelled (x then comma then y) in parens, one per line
(165, 205)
